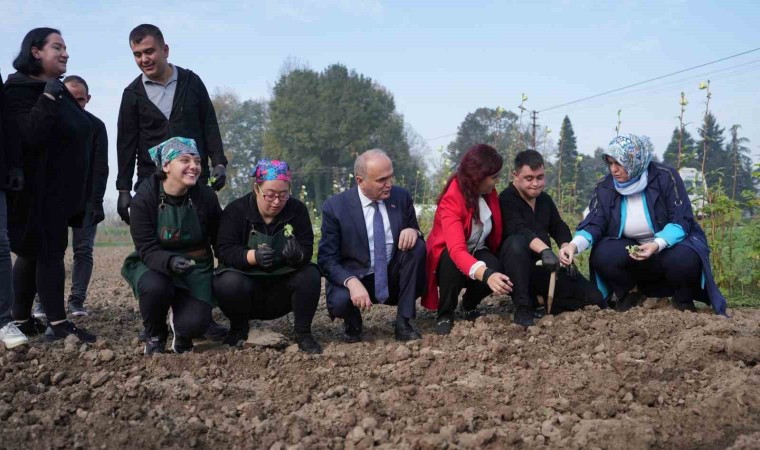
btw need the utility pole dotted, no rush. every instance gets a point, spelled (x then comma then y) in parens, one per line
(534, 117)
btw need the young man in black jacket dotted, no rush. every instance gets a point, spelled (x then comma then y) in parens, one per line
(530, 218)
(165, 101)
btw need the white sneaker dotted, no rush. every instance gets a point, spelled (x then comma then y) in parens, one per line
(12, 336)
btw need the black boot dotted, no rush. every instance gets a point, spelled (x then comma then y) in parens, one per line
(353, 329)
(307, 344)
(155, 345)
(31, 327)
(64, 329)
(630, 300)
(524, 316)
(215, 332)
(236, 336)
(405, 331)
(685, 306)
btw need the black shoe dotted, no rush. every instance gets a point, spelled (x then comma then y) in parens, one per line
(471, 314)
(629, 300)
(155, 345)
(353, 330)
(76, 307)
(685, 306)
(443, 326)
(236, 337)
(524, 316)
(405, 331)
(64, 329)
(216, 332)
(307, 344)
(38, 312)
(181, 344)
(142, 335)
(32, 327)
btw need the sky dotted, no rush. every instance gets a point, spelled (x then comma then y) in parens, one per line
(440, 59)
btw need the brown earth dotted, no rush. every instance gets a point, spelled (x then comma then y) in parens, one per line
(649, 378)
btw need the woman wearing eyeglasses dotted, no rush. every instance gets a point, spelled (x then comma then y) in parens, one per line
(173, 222)
(264, 246)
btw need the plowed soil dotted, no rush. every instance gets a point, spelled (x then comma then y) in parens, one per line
(652, 377)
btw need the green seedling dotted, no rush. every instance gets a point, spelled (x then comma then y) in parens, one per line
(633, 249)
(211, 181)
(288, 230)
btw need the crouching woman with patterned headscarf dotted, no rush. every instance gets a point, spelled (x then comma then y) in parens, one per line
(173, 222)
(642, 232)
(264, 246)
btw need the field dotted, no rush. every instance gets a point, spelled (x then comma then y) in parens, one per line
(649, 378)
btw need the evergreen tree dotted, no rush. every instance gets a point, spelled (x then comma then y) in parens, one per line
(716, 162)
(741, 165)
(567, 153)
(688, 147)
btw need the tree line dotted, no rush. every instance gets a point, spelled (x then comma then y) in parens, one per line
(320, 121)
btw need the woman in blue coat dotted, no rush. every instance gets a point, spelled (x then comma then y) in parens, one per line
(643, 234)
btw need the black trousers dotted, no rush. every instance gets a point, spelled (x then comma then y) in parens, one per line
(41, 271)
(157, 293)
(451, 281)
(674, 271)
(242, 297)
(530, 281)
(43, 276)
(406, 283)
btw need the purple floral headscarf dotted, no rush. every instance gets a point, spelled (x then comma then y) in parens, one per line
(270, 170)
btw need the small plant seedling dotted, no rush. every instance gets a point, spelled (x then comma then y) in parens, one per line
(192, 262)
(288, 230)
(211, 181)
(633, 249)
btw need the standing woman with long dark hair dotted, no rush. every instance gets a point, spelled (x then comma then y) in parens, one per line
(55, 137)
(465, 238)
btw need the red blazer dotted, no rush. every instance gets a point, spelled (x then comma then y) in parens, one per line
(451, 227)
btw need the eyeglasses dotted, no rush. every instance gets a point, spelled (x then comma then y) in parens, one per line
(270, 197)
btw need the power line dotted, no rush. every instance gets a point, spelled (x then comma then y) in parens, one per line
(649, 80)
(647, 92)
(654, 88)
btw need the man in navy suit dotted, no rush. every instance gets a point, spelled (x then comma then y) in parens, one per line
(355, 224)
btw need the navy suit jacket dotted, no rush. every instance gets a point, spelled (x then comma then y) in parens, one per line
(344, 245)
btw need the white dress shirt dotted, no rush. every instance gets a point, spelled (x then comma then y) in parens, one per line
(480, 231)
(369, 217)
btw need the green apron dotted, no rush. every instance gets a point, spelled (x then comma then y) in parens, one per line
(179, 232)
(255, 239)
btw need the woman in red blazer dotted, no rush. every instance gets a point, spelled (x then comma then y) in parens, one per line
(465, 238)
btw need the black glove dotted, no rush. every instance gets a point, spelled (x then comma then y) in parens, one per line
(54, 87)
(292, 253)
(180, 264)
(219, 176)
(264, 256)
(122, 205)
(98, 215)
(15, 179)
(572, 271)
(549, 260)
